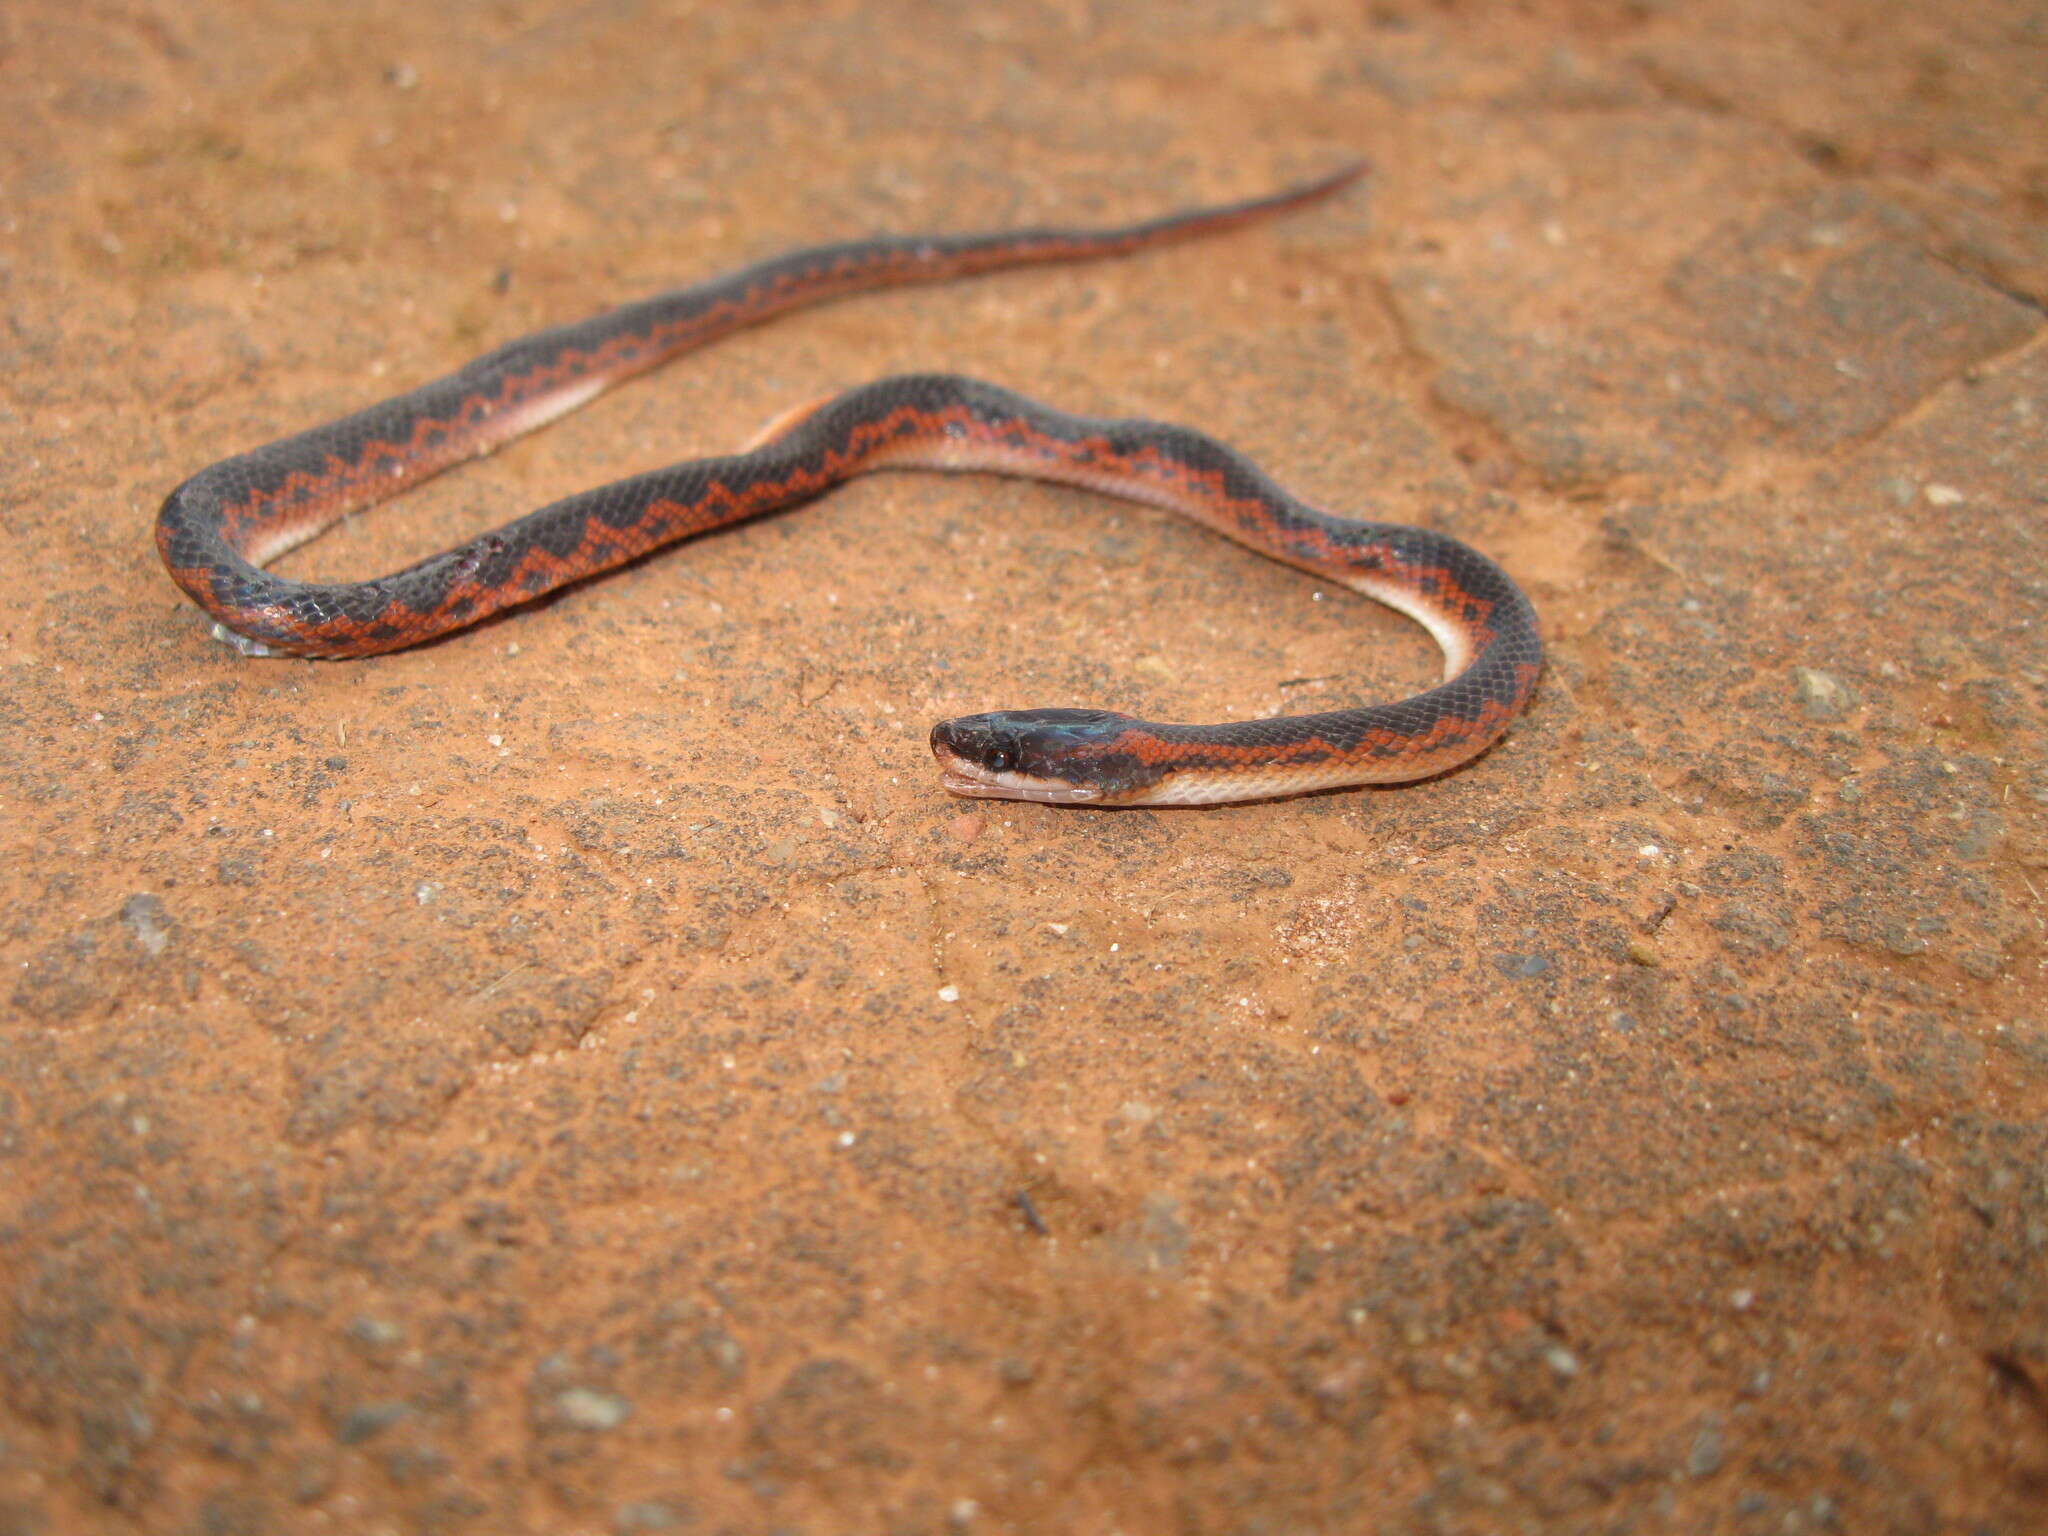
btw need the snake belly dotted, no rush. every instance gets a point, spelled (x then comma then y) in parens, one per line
(219, 529)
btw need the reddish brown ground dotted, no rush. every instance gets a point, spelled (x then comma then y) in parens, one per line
(586, 1077)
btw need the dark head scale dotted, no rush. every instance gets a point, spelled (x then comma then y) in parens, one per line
(1063, 756)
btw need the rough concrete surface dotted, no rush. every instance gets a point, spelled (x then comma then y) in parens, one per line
(586, 1076)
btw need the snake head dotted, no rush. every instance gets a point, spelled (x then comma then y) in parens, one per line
(1060, 756)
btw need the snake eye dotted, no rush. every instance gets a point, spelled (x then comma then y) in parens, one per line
(1001, 760)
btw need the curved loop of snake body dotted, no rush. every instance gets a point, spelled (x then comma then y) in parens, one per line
(218, 529)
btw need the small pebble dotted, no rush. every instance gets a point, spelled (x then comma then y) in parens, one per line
(368, 1421)
(148, 921)
(375, 1331)
(1704, 1459)
(647, 1515)
(589, 1409)
(1822, 695)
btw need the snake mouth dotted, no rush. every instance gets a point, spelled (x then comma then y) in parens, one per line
(975, 782)
(1043, 794)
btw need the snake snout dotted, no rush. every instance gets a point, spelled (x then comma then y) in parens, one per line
(974, 755)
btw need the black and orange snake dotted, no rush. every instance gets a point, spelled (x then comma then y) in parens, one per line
(218, 530)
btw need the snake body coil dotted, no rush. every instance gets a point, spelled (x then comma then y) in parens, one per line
(218, 529)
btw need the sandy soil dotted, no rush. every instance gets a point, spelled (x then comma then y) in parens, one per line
(587, 1077)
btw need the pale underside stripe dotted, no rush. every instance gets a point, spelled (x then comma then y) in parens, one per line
(968, 455)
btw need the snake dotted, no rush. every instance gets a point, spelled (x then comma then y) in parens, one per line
(218, 530)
